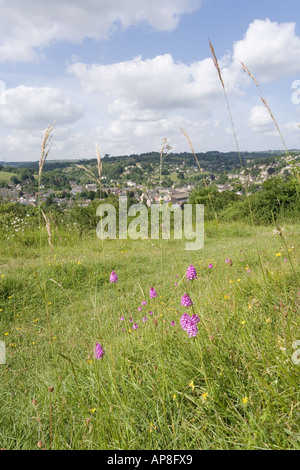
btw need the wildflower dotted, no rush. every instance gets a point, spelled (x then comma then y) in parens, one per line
(152, 293)
(191, 273)
(150, 313)
(98, 351)
(130, 320)
(226, 297)
(186, 301)
(189, 324)
(144, 302)
(228, 261)
(145, 319)
(269, 320)
(204, 396)
(135, 326)
(245, 400)
(195, 319)
(184, 321)
(192, 330)
(210, 266)
(176, 284)
(278, 254)
(172, 323)
(113, 277)
(140, 309)
(122, 318)
(191, 384)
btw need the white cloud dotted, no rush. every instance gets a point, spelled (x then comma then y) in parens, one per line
(260, 119)
(269, 50)
(27, 25)
(156, 84)
(35, 108)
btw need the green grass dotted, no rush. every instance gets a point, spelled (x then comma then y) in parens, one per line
(5, 176)
(155, 388)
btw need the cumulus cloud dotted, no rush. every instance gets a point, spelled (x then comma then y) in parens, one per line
(156, 84)
(260, 120)
(35, 108)
(270, 50)
(27, 25)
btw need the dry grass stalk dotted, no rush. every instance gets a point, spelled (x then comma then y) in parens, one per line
(226, 98)
(45, 148)
(264, 101)
(96, 180)
(56, 228)
(99, 164)
(247, 71)
(164, 152)
(200, 169)
(99, 168)
(88, 172)
(191, 147)
(48, 227)
(216, 64)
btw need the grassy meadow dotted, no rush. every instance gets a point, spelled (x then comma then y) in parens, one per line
(233, 386)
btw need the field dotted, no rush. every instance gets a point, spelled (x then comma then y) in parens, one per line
(233, 386)
(5, 176)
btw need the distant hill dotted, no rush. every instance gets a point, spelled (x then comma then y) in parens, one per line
(212, 160)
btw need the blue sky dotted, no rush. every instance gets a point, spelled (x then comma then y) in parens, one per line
(125, 74)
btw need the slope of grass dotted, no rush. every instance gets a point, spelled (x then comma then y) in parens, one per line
(5, 176)
(233, 386)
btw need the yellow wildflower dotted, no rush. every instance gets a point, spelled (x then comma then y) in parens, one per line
(191, 384)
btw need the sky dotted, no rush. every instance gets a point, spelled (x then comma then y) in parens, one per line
(126, 74)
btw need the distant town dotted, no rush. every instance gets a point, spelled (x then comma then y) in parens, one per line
(149, 178)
